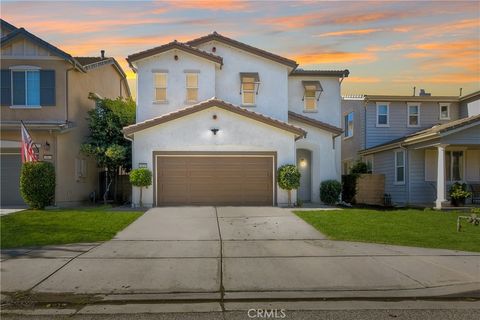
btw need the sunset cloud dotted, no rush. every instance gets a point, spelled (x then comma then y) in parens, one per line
(363, 79)
(219, 5)
(348, 33)
(335, 57)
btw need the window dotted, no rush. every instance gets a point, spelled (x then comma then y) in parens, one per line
(445, 111)
(454, 165)
(413, 115)
(349, 125)
(248, 90)
(26, 88)
(369, 161)
(310, 100)
(192, 87)
(160, 87)
(399, 167)
(382, 115)
(312, 92)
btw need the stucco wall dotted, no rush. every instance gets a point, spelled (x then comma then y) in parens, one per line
(325, 159)
(176, 82)
(192, 133)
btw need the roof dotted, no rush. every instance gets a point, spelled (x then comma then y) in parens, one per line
(387, 98)
(5, 25)
(427, 134)
(89, 60)
(299, 132)
(472, 96)
(240, 45)
(315, 123)
(321, 73)
(22, 32)
(174, 45)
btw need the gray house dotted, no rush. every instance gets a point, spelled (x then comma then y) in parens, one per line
(414, 141)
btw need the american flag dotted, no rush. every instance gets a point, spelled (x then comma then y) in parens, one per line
(29, 150)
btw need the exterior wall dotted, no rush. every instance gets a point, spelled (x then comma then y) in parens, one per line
(429, 116)
(325, 159)
(385, 164)
(328, 105)
(352, 145)
(469, 136)
(421, 191)
(272, 98)
(469, 108)
(192, 133)
(47, 113)
(176, 82)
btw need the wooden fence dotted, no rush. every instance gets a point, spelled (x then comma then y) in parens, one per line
(370, 189)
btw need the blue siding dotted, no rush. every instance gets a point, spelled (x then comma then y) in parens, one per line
(421, 191)
(429, 116)
(467, 136)
(384, 163)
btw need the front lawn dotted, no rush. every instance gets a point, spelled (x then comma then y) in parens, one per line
(38, 228)
(417, 228)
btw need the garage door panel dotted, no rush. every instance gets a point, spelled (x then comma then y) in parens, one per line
(10, 180)
(214, 180)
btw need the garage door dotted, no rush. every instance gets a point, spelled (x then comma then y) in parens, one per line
(11, 165)
(214, 180)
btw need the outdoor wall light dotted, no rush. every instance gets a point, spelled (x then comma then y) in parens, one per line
(303, 162)
(47, 146)
(215, 130)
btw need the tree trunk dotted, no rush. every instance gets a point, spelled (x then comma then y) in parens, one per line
(289, 198)
(141, 204)
(108, 179)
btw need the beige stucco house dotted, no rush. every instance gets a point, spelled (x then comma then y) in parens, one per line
(48, 90)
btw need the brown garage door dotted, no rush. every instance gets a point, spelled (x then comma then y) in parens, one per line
(214, 180)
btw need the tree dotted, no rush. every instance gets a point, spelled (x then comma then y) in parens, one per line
(37, 184)
(106, 142)
(141, 177)
(289, 179)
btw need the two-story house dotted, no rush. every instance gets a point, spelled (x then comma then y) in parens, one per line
(415, 141)
(217, 117)
(48, 90)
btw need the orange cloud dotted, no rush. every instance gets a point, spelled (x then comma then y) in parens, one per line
(363, 79)
(335, 57)
(348, 32)
(220, 5)
(447, 77)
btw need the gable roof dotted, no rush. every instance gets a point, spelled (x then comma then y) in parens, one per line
(21, 32)
(8, 26)
(471, 96)
(321, 73)
(427, 134)
(174, 45)
(392, 98)
(89, 63)
(315, 123)
(299, 132)
(242, 46)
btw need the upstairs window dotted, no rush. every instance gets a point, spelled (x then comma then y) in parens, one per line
(312, 91)
(382, 115)
(445, 111)
(413, 114)
(160, 80)
(26, 88)
(400, 167)
(349, 125)
(192, 87)
(250, 82)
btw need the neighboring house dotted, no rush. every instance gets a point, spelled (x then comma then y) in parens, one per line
(48, 90)
(408, 137)
(217, 117)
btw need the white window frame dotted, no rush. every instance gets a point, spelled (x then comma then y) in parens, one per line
(250, 104)
(440, 111)
(396, 166)
(187, 87)
(345, 120)
(155, 87)
(380, 104)
(413, 104)
(23, 69)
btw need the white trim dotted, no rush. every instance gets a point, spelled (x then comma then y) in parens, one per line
(396, 182)
(413, 104)
(378, 104)
(24, 68)
(440, 105)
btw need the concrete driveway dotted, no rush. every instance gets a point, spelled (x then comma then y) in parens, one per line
(237, 252)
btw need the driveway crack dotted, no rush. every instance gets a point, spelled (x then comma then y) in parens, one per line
(222, 289)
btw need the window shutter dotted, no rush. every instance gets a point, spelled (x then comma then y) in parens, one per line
(430, 165)
(6, 88)
(47, 87)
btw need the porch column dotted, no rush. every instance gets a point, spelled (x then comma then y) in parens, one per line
(440, 176)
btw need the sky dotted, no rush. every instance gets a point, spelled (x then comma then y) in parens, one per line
(389, 47)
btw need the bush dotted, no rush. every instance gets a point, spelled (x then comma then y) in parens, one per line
(288, 178)
(330, 191)
(37, 184)
(359, 168)
(141, 177)
(349, 187)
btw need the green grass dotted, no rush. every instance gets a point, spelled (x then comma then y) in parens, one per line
(417, 228)
(38, 228)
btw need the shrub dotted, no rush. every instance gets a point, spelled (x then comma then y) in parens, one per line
(359, 168)
(288, 179)
(349, 187)
(330, 191)
(37, 184)
(141, 177)
(458, 193)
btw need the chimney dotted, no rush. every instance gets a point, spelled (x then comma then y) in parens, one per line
(102, 54)
(423, 93)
